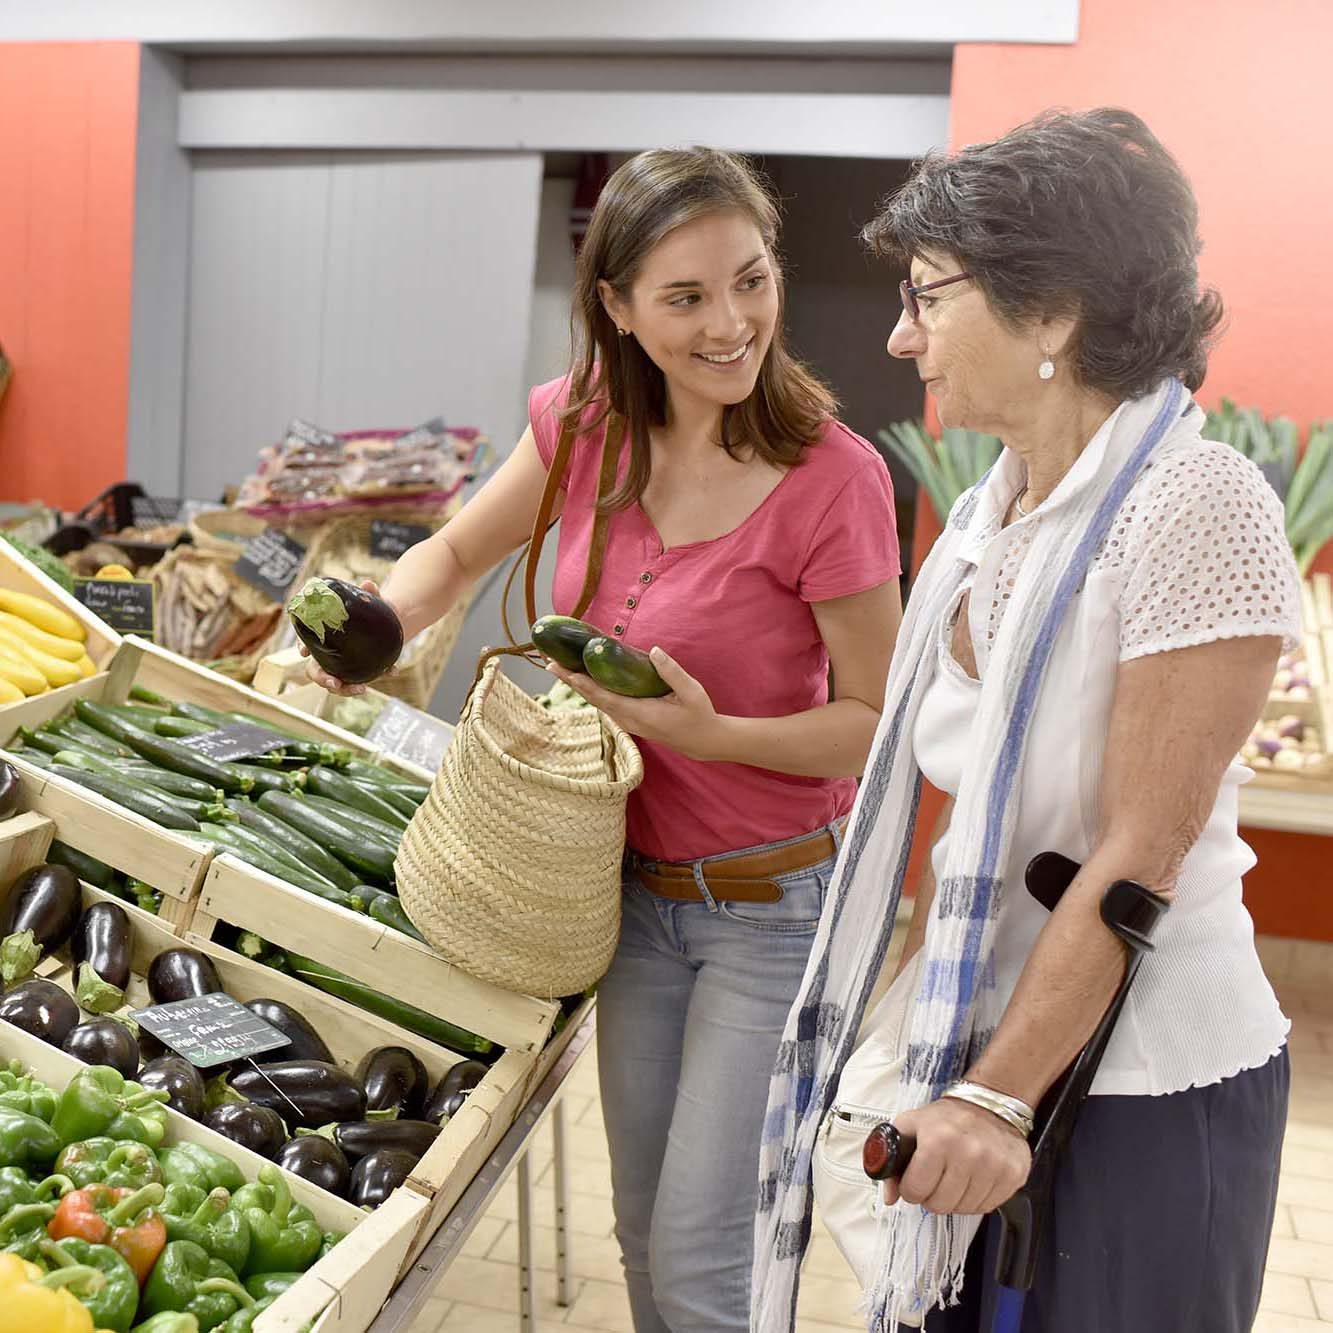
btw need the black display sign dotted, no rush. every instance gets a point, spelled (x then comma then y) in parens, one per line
(147, 511)
(388, 540)
(125, 604)
(410, 734)
(271, 562)
(237, 740)
(210, 1029)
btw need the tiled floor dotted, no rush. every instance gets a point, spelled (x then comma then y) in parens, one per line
(480, 1293)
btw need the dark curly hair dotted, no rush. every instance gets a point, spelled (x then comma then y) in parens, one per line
(1077, 214)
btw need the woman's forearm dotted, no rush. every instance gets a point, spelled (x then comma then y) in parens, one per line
(832, 741)
(425, 582)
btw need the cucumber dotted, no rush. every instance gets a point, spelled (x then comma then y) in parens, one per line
(370, 826)
(306, 850)
(349, 844)
(179, 728)
(87, 868)
(162, 751)
(224, 837)
(563, 639)
(323, 781)
(388, 911)
(89, 737)
(403, 803)
(396, 1011)
(622, 669)
(157, 807)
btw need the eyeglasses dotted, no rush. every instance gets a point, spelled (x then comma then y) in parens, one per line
(910, 293)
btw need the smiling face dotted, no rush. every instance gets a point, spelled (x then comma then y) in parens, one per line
(979, 370)
(703, 307)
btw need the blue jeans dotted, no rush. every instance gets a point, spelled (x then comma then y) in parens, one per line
(688, 1023)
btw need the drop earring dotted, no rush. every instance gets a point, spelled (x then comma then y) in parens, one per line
(1046, 370)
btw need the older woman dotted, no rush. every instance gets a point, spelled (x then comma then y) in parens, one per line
(1084, 653)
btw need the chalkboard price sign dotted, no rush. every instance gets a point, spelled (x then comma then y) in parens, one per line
(388, 540)
(271, 562)
(237, 740)
(209, 1029)
(125, 604)
(410, 734)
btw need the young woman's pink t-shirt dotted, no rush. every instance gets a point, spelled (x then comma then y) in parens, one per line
(735, 613)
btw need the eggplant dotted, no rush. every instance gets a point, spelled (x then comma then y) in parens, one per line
(304, 1043)
(258, 1128)
(350, 632)
(102, 946)
(103, 1041)
(317, 1160)
(305, 1093)
(394, 1080)
(9, 790)
(39, 916)
(360, 1138)
(452, 1089)
(377, 1175)
(180, 1080)
(41, 1008)
(181, 974)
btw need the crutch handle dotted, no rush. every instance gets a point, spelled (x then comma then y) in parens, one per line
(886, 1152)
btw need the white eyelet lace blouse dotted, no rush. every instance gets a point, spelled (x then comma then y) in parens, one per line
(1197, 553)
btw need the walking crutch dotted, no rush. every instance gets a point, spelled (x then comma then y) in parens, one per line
(1131, 913)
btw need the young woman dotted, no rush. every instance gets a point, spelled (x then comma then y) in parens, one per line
(751, 547)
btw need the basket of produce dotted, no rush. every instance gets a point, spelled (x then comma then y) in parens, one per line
(308, 1176)
(342, 550)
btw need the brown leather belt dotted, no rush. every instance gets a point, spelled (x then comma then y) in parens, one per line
(745, 877)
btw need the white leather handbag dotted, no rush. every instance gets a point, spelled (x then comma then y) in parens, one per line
(849, 1202)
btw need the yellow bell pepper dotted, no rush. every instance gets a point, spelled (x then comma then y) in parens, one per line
(39, 638)
(31, 1300)
(114, 572)
(42, 614)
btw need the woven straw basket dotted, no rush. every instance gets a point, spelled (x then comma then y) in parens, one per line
(511, 867)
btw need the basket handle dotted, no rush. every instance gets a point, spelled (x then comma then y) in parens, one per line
(530, 556)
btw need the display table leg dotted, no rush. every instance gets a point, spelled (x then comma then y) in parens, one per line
(527, 1308)
(561, 1203)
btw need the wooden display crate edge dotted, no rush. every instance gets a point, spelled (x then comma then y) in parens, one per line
(19, 573)
(372, 953)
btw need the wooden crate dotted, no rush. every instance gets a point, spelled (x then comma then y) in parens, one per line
(21, 575)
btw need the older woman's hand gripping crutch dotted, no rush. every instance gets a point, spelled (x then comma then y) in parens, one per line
(1131, 912)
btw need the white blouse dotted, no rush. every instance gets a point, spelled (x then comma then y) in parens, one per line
(1197, 553)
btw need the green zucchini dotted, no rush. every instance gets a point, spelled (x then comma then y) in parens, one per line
(359, 770)
(141, 694)
(323, 781)
(211, 717)
(89, 737)
(157, 807)
(267, 779)
(180, 728)
(241, 844)
(349, 844)
(396, 1011)
(405, 805)
(368, 825)
(45, 741)
(34, 756)
(388, 911)
(162, 751)
(563, 639)
(306, 850)
(172, 784)
(87, 868)
(137, 715)
(622, 669)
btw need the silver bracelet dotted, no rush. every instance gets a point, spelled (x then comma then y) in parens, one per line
(1015, 1112)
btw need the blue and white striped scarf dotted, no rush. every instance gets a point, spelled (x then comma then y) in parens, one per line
(920, 1256)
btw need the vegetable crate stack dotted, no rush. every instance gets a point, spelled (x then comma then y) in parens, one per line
(48, 640)
(1290, 745)
(203, 1181)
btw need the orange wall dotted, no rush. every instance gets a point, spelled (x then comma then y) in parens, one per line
(67, 146)
(1240, 98)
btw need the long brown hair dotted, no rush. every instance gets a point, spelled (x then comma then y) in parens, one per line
(645, 198)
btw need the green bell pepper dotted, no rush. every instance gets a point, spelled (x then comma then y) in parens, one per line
(193, 1164)
(269, 1286)
(20, 1091)
(243, 1321)
(171, 1321)
(24, 1139)
(99, 1101)
(284, 1236)
(112, 1303)
(187, 1280)
(23, 1228)
(209, 1221)
(330, 1239)
(17, 1187)
(122, 1164)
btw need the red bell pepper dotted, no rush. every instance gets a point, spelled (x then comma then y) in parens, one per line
(126, 1220)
